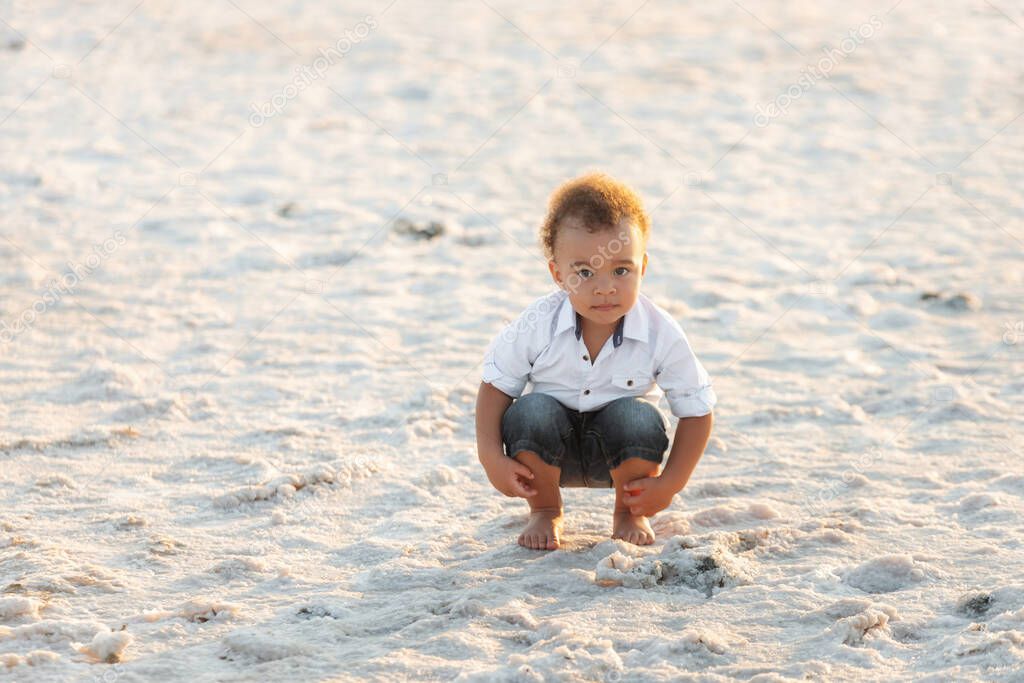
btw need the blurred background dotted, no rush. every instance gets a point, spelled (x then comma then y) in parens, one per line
(246, 244)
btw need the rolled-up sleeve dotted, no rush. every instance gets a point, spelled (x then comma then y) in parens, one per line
(684, 380)
(506, 362)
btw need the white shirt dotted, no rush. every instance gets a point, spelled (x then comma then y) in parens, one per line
(646, 356)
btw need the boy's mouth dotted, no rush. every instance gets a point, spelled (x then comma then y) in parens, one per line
(604, 307)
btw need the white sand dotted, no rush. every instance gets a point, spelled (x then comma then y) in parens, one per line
(246, 435)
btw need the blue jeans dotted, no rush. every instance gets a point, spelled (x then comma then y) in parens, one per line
(586, 445)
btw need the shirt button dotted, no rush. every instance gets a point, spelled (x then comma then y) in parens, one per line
(586, 358)
(586, 392)
(629, 383)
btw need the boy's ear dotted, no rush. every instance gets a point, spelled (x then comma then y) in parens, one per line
(555, 275)
(643, 267)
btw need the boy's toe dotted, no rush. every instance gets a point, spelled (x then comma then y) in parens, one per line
(538, 541)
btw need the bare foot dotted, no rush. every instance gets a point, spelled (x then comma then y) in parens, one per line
(632, 528)
(543, 529)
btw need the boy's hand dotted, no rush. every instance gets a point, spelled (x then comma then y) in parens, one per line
(647, 496)
(510, 476)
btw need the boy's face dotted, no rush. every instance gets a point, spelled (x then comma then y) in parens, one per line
(599, 268)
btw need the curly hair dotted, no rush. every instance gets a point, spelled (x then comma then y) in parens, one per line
(597, 200)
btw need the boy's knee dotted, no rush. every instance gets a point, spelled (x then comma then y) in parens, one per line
(537, 423)
(631, 410)
(533, 411)
(631, 429)
(633, 416)
(535, 401)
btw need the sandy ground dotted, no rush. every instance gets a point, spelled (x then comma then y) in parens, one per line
(236, 436)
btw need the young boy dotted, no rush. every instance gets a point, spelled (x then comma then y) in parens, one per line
(596, 352)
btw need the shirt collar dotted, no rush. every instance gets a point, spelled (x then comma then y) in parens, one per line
(633, 325)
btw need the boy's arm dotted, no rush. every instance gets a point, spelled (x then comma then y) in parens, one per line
(687, 448)
(491, 405)
(650, 495)
(508, 475)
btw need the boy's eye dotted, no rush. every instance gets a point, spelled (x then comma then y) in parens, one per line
(586, 272)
